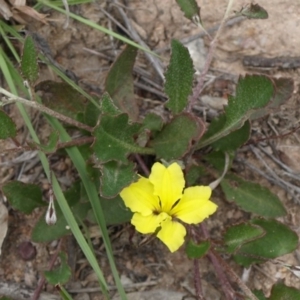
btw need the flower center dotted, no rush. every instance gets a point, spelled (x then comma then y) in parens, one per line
(163, 216)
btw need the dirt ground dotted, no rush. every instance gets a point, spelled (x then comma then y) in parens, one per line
(151, 271)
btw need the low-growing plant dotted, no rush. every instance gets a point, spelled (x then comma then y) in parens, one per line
(169, 196)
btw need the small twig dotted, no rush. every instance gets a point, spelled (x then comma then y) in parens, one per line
(111, 58)
(134, 35)
(125, 286)
(257, 170)
(111, 38)
(270, 277)
(230, 22)
(197, 281)
(13, 98)
(148, 80)
(199, 87)
(271, 171)
(114, 20)
(18, 291)
(142, 164)
(66, 5)
(75, 142)
(289, 171)
(150, 90)
(41, 283)
(20, 171)
(279, 136)
(283, 185)
(156, 89)
(26, 156)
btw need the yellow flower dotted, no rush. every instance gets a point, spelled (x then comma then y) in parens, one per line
(159, 203)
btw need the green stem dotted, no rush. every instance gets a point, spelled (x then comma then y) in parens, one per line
(92, 193)
(11, 77)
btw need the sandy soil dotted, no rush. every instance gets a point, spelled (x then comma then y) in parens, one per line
(157, 22)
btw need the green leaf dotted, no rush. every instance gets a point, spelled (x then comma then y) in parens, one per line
(254, 11)
(91, 114)
(44, 233)
(217, 159)
(114, 138)
(284, 88)
(7, 126)
(152, 122)
(108, 107)
(278, 240)
(193, 174)
(195, 251)
(29, 64)
(24, 197)
(176, 138)
(234, 140)
(252, 92)
(259, 294)
(119, 82)
(237, 235)
(73, 194)
(282, 292)
(61, 97)
(115, 176)
(60, 275)
(115, 211)
(190, 8)
(151, 125)
(179, 78)
(252, 197)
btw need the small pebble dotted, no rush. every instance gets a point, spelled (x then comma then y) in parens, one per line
(27, 251)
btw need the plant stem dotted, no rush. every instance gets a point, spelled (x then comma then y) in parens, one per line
(13, 98)
(235, 277)
(76, 142)
(225, 284)
(197, 278)
(142, 164)
(197, 281)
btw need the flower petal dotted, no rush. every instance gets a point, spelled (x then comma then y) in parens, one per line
(148, 224)
(194, 206)
(139, 197)
(172, 234)
(168, 184)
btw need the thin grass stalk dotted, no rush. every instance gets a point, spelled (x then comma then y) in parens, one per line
(11, 76)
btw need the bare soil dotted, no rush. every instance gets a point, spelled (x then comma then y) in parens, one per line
(88, 54)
